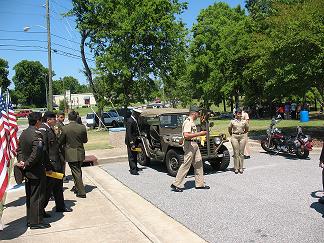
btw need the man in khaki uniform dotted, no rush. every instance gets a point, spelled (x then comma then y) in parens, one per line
(73, 136)
(238, 129)
(192, 154)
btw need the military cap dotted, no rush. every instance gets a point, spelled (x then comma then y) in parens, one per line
(194, 108)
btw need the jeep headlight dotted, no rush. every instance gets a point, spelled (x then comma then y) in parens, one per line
(217, 140)
(176, 139)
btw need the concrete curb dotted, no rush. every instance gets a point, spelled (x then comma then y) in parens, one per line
(151, 221)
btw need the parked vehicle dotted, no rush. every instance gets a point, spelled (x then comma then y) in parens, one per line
(23, 113)
(108, 118)
(276, 141)
(161, 139)
(92, 120)
(112, 119)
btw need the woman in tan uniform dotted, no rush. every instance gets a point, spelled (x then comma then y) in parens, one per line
(237, 129)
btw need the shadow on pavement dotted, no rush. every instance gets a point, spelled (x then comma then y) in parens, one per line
(287, 156)
(89, 188)
(319, 207)
(14, 229)
(19, 202)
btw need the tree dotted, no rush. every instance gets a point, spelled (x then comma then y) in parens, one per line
(4, 72)
(219, 53)
(30, 80)
(68, 83)
(290, 60)
(133, 42)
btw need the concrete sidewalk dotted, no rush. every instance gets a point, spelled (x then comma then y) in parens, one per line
(110, 213)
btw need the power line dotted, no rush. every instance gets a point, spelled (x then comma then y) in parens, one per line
(53, 50)
(53, 43)
(39, 32)
(60, 5)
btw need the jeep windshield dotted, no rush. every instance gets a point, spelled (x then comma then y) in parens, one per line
(172, 120)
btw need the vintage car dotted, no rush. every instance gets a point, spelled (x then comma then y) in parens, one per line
(161, 139)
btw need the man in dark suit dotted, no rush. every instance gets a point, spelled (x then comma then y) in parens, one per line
(132, 133)
(73, 136)
(52, 162)
(30, 159)
(321, 164)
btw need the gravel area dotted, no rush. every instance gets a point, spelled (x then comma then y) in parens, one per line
(275, 200)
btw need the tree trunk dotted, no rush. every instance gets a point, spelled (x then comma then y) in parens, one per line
(88, 73)
(224, 103)
(232, 105)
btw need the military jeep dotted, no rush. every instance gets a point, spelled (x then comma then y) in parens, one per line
(161, 139)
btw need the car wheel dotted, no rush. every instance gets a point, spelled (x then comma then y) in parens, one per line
(114, 124)
(174, 158)
(223, 162)
(142, 159)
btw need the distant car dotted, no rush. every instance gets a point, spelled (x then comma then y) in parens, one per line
(92, 120)
(108, 118)
(155, 106)
(23, 113)
(112, 119)
(122, 112)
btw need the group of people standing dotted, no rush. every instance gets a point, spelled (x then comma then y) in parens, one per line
(290, 110)
(44, 147)
(238, 129)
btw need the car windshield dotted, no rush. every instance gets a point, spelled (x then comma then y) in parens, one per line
(90, 116)
(173, 121)
(113, 114)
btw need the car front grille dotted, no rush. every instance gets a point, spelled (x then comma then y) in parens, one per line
(203, 149)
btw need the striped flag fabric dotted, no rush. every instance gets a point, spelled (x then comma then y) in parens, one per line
(4, 155)
(13, 129)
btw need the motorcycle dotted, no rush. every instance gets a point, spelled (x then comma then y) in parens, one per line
(276, 141)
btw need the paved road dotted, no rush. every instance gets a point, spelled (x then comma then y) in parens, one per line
(273, 201)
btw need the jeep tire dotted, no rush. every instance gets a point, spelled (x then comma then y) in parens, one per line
(174, 158)
(223, 162)
(142, 159)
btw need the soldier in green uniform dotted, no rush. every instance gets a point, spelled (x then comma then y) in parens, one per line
(192, 155)
(73, 136)
(52, 162)
(30, 159)
(238, 129)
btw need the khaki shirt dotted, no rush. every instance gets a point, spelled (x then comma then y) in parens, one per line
(189, 126)
(238, 126)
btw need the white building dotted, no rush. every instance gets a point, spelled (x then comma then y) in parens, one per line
(76, 100)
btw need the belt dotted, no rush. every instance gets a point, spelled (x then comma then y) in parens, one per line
(239, 133)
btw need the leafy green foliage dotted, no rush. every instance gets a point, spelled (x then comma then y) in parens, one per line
(69, 83)
(30, 82)
(4, 81)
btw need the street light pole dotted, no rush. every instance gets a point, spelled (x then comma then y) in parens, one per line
(50, 84)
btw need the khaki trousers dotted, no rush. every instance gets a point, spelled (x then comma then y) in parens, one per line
(192, 156)
(238, 143)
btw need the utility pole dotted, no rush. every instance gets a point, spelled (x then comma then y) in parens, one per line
(49, 53)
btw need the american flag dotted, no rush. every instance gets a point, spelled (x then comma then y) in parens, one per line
(4, 157)
(13, 129)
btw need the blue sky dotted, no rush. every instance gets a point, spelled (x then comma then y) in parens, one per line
(17, 14)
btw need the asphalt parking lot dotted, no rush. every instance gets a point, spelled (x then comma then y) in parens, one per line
(275, 200)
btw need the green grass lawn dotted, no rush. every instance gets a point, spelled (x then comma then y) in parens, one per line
(97, 140)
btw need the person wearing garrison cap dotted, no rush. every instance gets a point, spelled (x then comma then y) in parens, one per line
(52, 162)
(132, 133)
(192, 155)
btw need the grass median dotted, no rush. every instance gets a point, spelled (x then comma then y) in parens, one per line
(97, 139)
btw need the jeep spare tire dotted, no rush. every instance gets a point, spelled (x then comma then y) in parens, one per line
(142, 159)
(174, 158)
